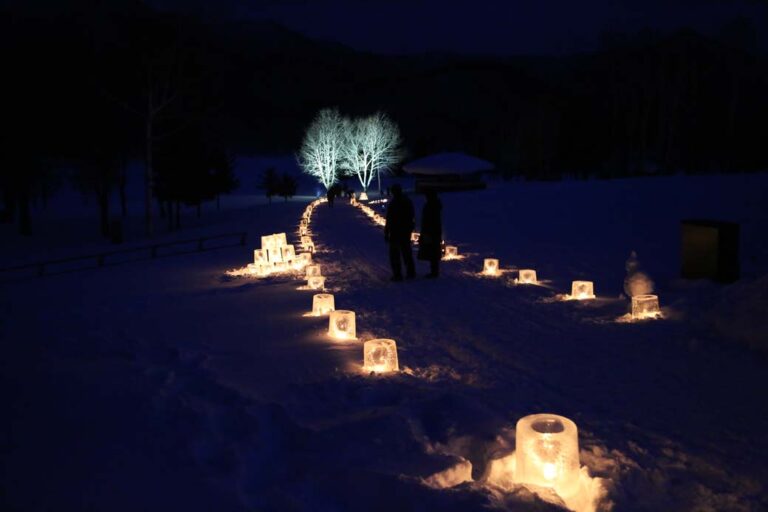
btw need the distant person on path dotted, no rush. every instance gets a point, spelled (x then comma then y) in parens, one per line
(431, 235)
(397, 233)
(330, 195)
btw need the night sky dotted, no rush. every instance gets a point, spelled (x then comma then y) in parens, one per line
(482, 26)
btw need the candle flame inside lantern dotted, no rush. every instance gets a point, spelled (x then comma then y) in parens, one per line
(322, 304)
(341, 325)
(316, 282)
(527, 276)
(547, 453)
(451, 252)
(582, 290)
(491, 267)
(380, 356)
(645, 306)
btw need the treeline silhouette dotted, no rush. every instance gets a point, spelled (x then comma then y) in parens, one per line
(96, 84)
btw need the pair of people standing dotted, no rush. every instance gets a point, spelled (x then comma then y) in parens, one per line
(399, 226)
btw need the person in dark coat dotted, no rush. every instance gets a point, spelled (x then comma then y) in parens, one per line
(431, 236)
(397, 233)
(331, 195)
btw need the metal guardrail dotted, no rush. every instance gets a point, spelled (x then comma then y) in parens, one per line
(43, 268)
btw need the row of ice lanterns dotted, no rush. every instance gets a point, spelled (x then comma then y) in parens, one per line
(643, 306)
(546, 445)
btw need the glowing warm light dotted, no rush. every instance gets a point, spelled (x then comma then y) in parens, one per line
(304, 258)
(491, 267)
(363, 196)
(582, 290)
(313, 270)
(645, 306)
(341, 325)
(316, 282)
(288, 253)
(527, 276)
(303, 231)
(259, 256)
(380, 355)
(451, 252)
(415, 237)
(547, 453)
(322, 304)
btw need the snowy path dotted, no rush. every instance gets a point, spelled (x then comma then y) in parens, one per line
(197, 390)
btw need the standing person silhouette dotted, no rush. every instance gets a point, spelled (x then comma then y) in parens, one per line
(431, 236)
(397, 233)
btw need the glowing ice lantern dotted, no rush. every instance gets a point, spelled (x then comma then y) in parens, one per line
(304, 258)
(313, 270)
(341, 325)
(316, 282)
(582, 290)
(289, 253)
(527, 276)
(645, 306)
(302, 230)
(380, 356)
(547, 453)
(259, 256)
(322, 304)
(363, 196)
(451, 251)
(491, 267)
(415, 237)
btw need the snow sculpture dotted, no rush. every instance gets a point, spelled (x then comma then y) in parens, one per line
(316, 282)
(322, 304)
(380, 355)
(645, 306)
(547, 453)
(527, 276)
(341, 325)
(582, 290)
(313, 270)
(491, 267)
(451, 252)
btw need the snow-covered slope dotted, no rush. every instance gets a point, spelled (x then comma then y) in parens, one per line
(165, 384)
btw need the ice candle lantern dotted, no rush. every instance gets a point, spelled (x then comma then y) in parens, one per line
(316, 282)
(645, 306)
(527, 276)
(322, 304)
(380, 355)
(451, 251)
(547, 453)
(363, 196)
(313, 270)
(582, 290)
(491, 267)
(304, 258)
(415, 237)
(341, 325)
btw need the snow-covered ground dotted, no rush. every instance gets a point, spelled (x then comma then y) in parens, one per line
(165, 384)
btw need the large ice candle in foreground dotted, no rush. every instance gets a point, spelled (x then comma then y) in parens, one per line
(380, 356)
(582, 290)
(527, 276)
(645, 306)
(316, 282)
(491, 267)
(313, 270)
(547, 453)
(451, 251)
(322, 304)
(341, 325)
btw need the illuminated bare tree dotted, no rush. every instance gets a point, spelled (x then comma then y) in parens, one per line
(321, 150)
(372, 145)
